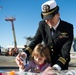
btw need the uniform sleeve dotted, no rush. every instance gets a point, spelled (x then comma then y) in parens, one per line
(37, 39)
(65, 51)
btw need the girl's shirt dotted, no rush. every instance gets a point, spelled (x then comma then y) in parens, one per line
(32, 66)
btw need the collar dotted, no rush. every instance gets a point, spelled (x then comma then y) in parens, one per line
(41, 65)
(54, 27)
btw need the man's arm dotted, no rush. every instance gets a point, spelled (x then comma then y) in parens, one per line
(37, 39)
(65, 51)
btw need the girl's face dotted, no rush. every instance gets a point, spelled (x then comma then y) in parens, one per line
(39, 59)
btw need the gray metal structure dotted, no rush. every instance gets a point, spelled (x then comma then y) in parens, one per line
(11, 19)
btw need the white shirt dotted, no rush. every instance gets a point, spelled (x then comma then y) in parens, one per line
(55, 27)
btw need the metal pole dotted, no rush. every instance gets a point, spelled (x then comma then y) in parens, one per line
(14, 36)
(11, 19)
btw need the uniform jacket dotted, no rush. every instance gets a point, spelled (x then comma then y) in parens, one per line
(60, 45)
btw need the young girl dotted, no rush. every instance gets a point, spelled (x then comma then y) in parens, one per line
(40, 59)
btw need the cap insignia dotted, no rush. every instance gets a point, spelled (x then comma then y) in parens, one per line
(46, 8)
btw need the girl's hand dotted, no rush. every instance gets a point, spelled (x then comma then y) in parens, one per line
(19, 62)
(37, 70)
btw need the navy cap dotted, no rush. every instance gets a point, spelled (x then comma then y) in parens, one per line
(49, 9)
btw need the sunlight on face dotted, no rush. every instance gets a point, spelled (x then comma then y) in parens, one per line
(53, 21)
(39, 59)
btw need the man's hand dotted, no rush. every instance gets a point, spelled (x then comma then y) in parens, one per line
(48, 71)
(48, 68)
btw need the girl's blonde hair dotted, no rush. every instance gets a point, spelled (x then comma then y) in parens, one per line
(42, 50)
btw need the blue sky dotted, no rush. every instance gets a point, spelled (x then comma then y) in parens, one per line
(27, 14)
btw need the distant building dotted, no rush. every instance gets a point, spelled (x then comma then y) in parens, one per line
(20, 48)
(0, 49)
(9, 46)
(74, 45)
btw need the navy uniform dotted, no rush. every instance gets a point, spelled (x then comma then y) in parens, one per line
(61, 41)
